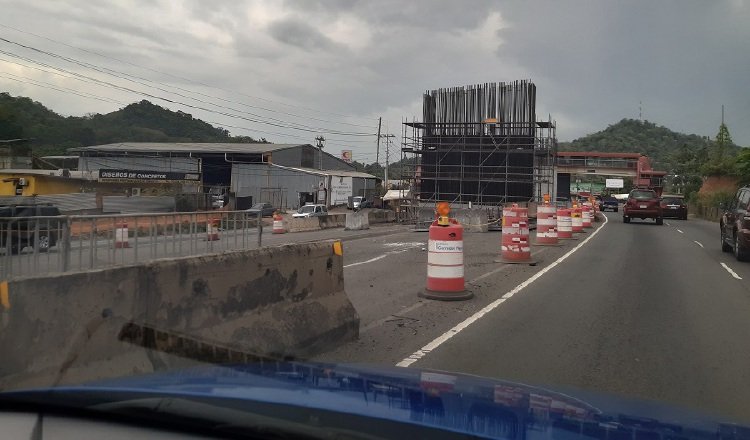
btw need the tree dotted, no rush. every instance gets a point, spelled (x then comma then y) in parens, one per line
(742, 166)
(723, 141)
(721, 159)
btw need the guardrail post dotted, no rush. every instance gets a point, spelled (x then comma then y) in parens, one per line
(260, 228)
(66, 245)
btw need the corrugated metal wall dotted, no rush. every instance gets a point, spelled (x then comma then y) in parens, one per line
(176, 164)
(309, 157)
(291, 157)
(261, 181)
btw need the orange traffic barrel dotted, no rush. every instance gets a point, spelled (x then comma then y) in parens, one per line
(564, 224)
(121, 236)
(445, 263)
(514, 245)
(576, 218)
(546, 225)
(278, 224)
(212, 230)
(587, 215)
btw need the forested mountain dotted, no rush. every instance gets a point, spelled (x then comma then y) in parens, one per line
(22, 118)
(661, 144)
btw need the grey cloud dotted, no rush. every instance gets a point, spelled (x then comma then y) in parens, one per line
(436, 15)
(592, 61)
(300, 34)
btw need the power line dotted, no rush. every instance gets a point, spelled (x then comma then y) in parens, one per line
(61, 89)
(45, 85)
(192, 81)
(122, 88)
(124, 76)
(200, 83)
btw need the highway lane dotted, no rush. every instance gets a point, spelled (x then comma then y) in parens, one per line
(383, 284)
(705, 234)
(641, 311)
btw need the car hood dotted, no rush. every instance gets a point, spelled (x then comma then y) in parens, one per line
(377, 396)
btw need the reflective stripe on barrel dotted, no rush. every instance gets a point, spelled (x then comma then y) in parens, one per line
(587, 215)
(546, 225)
(564, 223)
(121, 236)
(278, 224)
(445, 259)
(576, 215)
(515, 236)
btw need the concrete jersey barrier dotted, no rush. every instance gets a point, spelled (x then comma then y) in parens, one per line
(357, 221)
(240, 306)
(381, 216)
(317, 223)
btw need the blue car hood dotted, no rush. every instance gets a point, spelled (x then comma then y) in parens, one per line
(450, 402)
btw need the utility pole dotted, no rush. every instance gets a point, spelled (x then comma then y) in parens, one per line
(377, 152)
(320, 140)
(387, 157)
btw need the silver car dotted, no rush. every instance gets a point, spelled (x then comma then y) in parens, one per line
(311, 211)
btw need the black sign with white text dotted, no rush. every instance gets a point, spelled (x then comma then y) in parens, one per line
(141, 175)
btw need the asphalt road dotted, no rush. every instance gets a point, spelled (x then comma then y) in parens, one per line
(638, 310)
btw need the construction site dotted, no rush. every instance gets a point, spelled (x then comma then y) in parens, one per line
(479, 146)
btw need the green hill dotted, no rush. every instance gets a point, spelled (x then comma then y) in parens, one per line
(52, 133)
(661, 144)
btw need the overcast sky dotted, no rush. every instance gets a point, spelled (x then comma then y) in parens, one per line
(333, 67)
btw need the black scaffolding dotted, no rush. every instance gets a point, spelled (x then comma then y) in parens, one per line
(480, 145)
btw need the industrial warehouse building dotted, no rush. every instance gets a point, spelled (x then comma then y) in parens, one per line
(286, 175)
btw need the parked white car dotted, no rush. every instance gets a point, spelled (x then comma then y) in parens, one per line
(311, 211)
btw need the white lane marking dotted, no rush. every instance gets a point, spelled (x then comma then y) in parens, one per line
(422, 352)
(379, 257)
(667, 223)
(731, 272)
(680, 231)
(415, 306)
(698, 243)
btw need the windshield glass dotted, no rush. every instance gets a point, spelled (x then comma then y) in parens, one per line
(548, 195)
(643, 195)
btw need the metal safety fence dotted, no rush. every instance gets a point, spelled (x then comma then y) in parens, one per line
(49, 244)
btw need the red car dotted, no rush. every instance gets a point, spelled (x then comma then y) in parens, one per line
(643, 204)
(735, 226)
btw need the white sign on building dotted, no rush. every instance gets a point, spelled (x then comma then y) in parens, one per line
(341, 190)
(614, 183)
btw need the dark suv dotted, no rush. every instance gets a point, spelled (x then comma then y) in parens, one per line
(735, 226)
(674, 207)
(610, 203)
(643, 204)
(20, 227)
